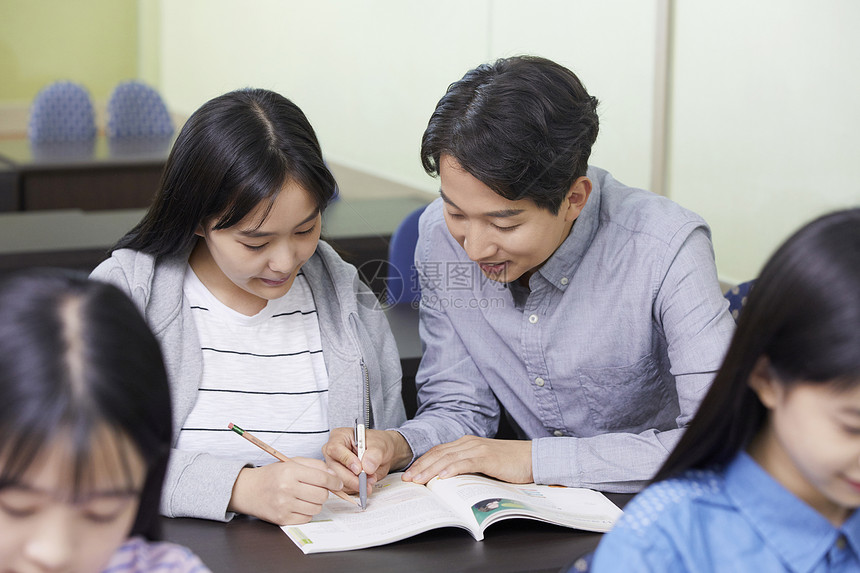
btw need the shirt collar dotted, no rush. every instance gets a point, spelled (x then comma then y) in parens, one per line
(562, 264)
(795, 531)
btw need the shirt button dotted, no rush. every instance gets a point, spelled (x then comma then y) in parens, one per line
(533, 318)
(564, 280)
(558, 433)
(539, 381)
(840, 542)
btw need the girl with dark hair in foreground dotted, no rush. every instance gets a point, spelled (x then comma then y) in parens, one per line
(767, 476)
(84, 431)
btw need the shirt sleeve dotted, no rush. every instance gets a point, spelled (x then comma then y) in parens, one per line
(199, 485)
(453, 396)
(693, 315)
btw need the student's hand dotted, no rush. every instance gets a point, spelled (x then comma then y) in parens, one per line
(507, 460)
(284, 493)
(384, 450)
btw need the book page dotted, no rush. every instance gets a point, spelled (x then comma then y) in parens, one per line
(396, 510)
(486, 500)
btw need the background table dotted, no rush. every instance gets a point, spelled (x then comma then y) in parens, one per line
(93, 175)
(83, 223)
(359, 229)
(514, 545)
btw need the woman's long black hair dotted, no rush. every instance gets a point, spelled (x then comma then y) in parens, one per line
(236, 151)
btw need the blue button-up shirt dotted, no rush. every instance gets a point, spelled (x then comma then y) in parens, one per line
(601, 361)
(740, 519)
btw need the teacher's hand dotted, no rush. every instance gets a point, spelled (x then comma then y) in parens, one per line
(384, 450)
(507, 460)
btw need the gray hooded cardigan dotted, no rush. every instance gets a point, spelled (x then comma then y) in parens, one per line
(358, 348)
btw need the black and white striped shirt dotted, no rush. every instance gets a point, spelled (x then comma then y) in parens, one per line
(265, 373)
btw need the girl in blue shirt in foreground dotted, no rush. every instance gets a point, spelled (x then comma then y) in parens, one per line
(767, 476)
(85, 431)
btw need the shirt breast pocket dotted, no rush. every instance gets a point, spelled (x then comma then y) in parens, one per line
(625, 398)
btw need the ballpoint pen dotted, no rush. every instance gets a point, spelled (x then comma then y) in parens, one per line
(362, 477)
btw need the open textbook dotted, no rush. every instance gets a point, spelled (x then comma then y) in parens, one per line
(397, 510)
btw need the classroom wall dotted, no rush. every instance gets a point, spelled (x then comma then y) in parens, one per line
(149, 41)
(616, 62)
(762, 98)
(92, 42)
(765, 116)
(761, 95)
(368, 74)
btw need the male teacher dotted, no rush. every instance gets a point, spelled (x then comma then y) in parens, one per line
(590, 310)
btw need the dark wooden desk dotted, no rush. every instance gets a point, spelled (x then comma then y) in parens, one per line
(515, 545)
(99, 174)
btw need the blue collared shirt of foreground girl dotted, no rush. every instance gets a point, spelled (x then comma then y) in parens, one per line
(707, 520)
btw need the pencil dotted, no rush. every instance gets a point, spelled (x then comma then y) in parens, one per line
(267, 448)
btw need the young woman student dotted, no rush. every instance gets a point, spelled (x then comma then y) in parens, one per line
(261, 323)
(767, 476)
(84, 431)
